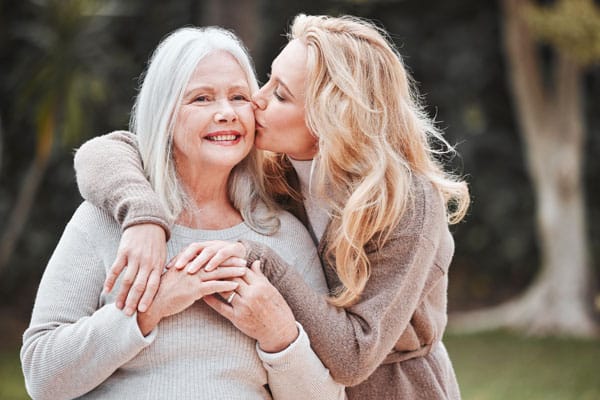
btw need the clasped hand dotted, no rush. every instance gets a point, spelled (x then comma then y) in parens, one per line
(202, 270)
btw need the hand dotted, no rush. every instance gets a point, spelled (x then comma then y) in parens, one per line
(143, 251)
(258, 310)
(179, 290)
(210, 255)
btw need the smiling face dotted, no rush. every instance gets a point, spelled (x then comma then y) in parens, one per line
(280, 114)
(214, 129)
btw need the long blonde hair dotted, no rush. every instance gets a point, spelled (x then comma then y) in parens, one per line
(373, 135)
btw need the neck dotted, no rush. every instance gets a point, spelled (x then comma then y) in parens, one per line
(211, 207)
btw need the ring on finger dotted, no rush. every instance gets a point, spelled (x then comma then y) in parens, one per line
(230, 298)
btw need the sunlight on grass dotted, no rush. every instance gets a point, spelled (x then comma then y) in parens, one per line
(499, 365)
(492, 366)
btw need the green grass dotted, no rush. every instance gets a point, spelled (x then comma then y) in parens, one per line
(12, 386)
(490, 366)
(503, 366)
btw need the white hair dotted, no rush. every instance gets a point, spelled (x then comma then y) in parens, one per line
(153, 120)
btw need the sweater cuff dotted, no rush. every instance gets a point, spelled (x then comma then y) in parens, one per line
(139, 210)
(289, 357)
(131, 330)
(271, 265)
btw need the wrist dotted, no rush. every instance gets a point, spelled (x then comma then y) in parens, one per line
(281, 340)
(147, 321)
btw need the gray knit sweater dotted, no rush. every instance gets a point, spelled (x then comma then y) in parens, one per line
(80, 344)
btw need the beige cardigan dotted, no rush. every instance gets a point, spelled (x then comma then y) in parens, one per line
(388, 345)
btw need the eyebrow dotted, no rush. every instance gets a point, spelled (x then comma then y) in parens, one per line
(211, 89)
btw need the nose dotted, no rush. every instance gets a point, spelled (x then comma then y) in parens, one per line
(225, 113)
(259, 101)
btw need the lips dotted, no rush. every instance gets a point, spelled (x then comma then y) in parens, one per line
(224, 137)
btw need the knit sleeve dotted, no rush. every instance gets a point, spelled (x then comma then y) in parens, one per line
(352, 342)
(297, 372)
(72, 344)
(110, 175)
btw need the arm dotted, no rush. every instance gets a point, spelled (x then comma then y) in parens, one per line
(354, 341)
(110, 175)
(297, 372)
(71, 345)
(259, 311)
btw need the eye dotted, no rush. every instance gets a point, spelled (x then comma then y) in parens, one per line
(277, 95)
(240, 97)
(202, 98)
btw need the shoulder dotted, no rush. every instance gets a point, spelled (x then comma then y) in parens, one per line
(292, 232)
(93, 221)
(425, 213)
(291, 241)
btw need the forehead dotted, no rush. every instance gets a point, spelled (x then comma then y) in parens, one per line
(291, 62)
(219, 68)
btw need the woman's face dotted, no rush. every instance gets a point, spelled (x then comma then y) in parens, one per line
(280, 115)
(215, 123)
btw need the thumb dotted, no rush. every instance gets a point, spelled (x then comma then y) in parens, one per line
(255, 267)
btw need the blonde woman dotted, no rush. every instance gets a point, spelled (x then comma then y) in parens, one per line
(195, 129)
(352, 159)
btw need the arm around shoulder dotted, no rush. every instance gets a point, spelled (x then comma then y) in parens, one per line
(110, 175)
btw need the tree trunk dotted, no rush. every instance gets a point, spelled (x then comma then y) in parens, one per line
(558, 301)
(24, 201)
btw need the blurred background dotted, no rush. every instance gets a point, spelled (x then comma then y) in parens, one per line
(515, 84)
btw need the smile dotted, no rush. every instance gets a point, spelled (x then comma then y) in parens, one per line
(222, 138)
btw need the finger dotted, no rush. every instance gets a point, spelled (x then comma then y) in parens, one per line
(225, 295)
(186, 256)
(256, 267)
(114, 272)
(137, 290)
(234, 262)
(254, 273)
(222, 308)
(206, 254)
(223, 273)
(243, 286)
(212, 287)
(230, 297)
(171, 263)
(230, 250)
(128, 279)
(151, 289)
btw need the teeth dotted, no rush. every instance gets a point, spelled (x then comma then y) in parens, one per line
(222, 138)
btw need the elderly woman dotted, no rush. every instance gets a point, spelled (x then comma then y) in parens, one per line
(195, 131)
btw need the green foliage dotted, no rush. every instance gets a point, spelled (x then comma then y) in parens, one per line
(60, 76)
(499, 366)
(572, 26)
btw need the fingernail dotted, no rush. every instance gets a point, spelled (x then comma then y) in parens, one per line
(120, 305)
(129, 311)
(142, 308)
